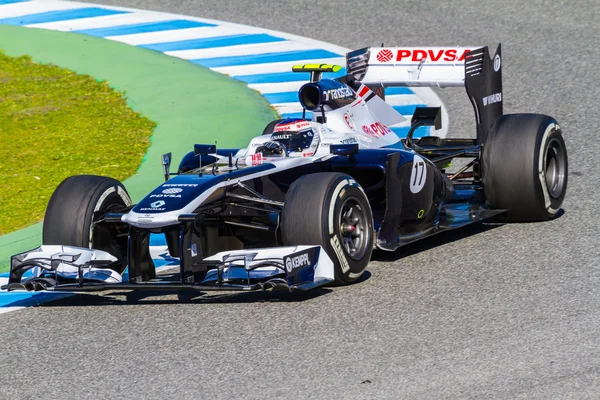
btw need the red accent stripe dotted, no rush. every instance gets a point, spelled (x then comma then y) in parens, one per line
(364, 91)
(357, 103)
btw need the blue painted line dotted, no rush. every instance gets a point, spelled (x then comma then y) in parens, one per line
(158, 239)
(398, 90)
(403, 131)
(165, 259)
(12, 1)
(219, 41)
(62, 15)
(28, 299)
(144, 28)
(283, 97)
(265, 58)
(408, 109)
(297, 115)
(284, 77)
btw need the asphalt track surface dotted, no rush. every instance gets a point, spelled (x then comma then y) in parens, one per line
(488, 312)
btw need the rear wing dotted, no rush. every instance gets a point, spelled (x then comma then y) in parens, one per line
(471, 67)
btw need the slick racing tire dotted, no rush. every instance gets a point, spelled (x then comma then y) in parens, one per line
(525, 167)
(270, 126)
(74, 205)
(331, 210)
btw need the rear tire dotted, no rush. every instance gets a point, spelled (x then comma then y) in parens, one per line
(331, 210)
(71, 210)
(525, 167)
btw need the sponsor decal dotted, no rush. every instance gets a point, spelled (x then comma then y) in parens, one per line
(309, 154)
(180, 185)
(491, 99)
(123, 195)
(340, 93)
(281, 137)
(193, 250)
(418, 175)
(256, 159)
(349, 121)
(343, 141)
(376, 129)
(337, 247)
(291, 126)
(172, 191)
(157, 204)
(295, 262)
(300, 266)
(385, 55)
(497, 63)
(416, 55)
(163, 196)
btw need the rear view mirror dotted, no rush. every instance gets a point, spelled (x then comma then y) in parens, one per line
(166, 164)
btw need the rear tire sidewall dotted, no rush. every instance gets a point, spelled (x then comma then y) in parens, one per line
(514, 167)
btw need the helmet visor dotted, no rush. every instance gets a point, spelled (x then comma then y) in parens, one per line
(294, 141)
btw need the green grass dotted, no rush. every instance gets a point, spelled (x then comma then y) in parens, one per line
(55, 123)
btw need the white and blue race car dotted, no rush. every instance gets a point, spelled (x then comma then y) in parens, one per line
(307, 202)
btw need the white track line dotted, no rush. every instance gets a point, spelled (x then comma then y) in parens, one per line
(265, 88)
(31, 7)
(106, 21)
(239, 50)
(182, 34)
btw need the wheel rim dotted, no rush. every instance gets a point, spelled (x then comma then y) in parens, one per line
(555, 168)
(354, 228)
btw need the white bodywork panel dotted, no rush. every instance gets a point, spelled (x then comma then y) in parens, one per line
(73, 258)
(417, 66)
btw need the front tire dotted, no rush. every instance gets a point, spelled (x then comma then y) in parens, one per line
(75, 203)
(331, 210)
(525, 167)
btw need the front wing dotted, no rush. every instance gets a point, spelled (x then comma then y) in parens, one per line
(67, 268)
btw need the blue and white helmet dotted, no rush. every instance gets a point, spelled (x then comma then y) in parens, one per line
(296, 135)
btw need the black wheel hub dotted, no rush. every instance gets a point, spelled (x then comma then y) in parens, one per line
(354, 228)
(555, 168)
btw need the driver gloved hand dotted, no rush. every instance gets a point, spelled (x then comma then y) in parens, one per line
(271, 148)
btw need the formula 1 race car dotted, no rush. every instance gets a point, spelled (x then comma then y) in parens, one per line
(307, 202)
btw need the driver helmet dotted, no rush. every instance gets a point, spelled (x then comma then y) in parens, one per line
(295, 135)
